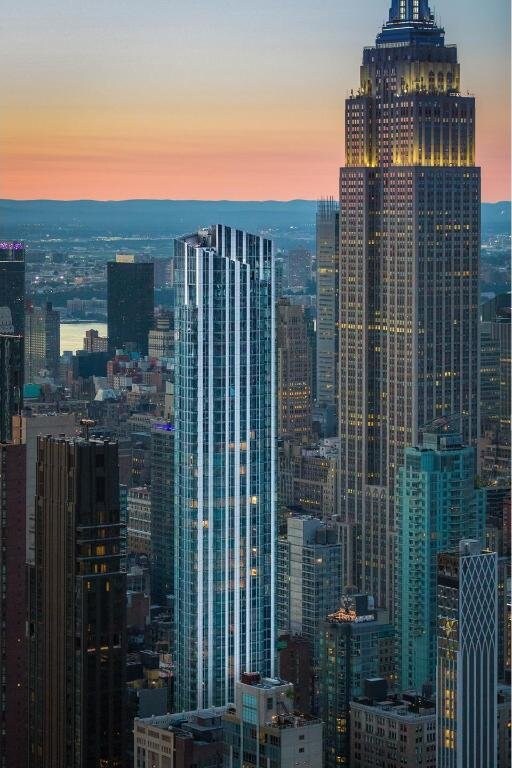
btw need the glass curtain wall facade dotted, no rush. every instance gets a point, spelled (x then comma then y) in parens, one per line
(225, 463)
(409, 273)
(437, 505)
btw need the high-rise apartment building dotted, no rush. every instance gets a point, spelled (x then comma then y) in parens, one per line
(77, 608)
(294, 397)
(467, 658)
(162, 506)
(138, 525)
(356, 643)
(308, 477)
(93, 342)
(42, 342)
(130, 304)
(437, 505)
(225, 463)
(12, 283)
(327, 304)
(409, 271)
(11, 382)
(309, 578)
(13, 614)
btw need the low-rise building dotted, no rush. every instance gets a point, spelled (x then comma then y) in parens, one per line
(396, 731)
(184, 740)
(263, 729)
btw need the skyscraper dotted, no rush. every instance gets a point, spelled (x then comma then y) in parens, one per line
(309, 578)
(13, 615)
(467, 658)
(11, 382)
(12, 283)
(294, 397)
(42, 342)
(437, 505)
(356, 643)
(327, 304)
(130, 304)
(77, 608)
(225, 463)
(409, 269)
(162, 506)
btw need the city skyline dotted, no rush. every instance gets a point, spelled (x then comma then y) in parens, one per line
(143, 112)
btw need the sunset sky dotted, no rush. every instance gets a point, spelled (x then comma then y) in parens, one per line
(211, 99)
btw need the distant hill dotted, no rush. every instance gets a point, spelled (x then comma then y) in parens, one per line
(20, 218)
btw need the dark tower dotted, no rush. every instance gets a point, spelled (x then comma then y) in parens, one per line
(130, 305)
(409, 271)
(12, 283)
(77, 608)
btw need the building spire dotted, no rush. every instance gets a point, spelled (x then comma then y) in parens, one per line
(409, 10)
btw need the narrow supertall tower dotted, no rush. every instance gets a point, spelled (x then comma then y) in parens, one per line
(224, 464)
(409, 267)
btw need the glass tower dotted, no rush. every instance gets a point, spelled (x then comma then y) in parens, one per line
(225, 464)
(437, 505)
(409, 267)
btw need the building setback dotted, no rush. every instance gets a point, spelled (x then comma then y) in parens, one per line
(225, 463)
(77, 608)
(409, 272)
(13, 615)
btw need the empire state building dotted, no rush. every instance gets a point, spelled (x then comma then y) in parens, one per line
(409, 272)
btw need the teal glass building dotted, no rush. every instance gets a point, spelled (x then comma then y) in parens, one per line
(225, 464)
(437, 505)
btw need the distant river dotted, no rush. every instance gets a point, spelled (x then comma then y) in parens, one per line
(72, 334)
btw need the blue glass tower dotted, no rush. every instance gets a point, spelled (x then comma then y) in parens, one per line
(225, 463)
(437, 505)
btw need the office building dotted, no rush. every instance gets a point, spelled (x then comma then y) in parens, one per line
(327, 305)
(161, 337)
(184, 740)
(225, 463)
(437, 505)
(263, 728)
(409, 233)
(42, 342)
(356, 643)
(13, 615)
(299, 268)
(26, 428)
(11, 382)
(130, 304)
(309, 572)
(12, 283)
(467, 657)
(138, 530)
(308, 478)
(77, 608)
(391, 730)
(162, 505)
(294, 397)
